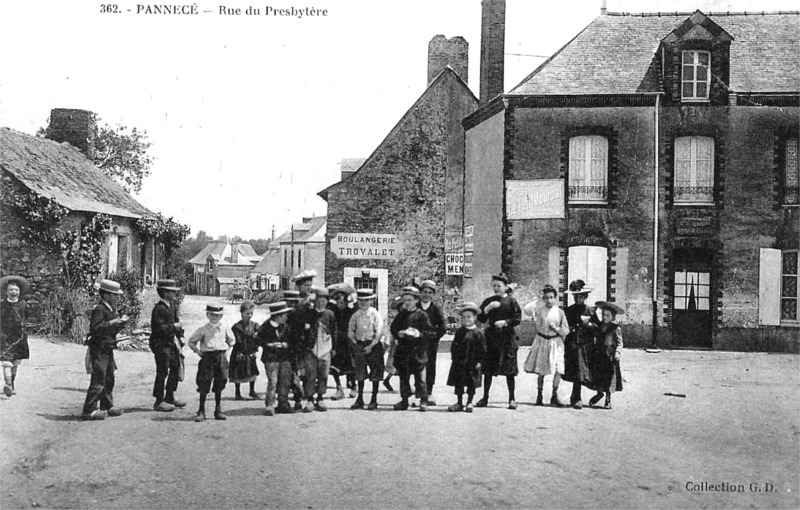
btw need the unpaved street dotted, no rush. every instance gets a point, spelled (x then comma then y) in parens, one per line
(737, 425)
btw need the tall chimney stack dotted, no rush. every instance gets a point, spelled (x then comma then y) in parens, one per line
(77, 127)
(443, 52)
(493, 42)
(603, 9)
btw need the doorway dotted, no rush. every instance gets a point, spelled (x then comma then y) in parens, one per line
(692, 303)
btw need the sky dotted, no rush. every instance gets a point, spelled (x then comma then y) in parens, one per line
(249, 116)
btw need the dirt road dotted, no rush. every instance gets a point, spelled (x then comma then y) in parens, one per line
(737, 426)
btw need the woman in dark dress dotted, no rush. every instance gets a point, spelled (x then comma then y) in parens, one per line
(243, 367)
(13, 335)
(606, 373)
(579, 343)
(342, 360)
(501, 314)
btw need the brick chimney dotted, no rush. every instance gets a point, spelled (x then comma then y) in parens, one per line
(443, 52)
(78, 127)
(493, 42)
(234, 253)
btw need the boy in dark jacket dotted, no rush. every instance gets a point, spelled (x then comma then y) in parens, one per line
(103, 328)
(411, 327)
(166, 342)
(276, 358)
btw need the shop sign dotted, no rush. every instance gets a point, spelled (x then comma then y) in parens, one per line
(454, 264)
(468, 238)
(467, 265)
(366, 246)
(536, 199)
(453, 241)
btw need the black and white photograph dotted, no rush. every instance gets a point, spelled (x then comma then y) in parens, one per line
(434, 254)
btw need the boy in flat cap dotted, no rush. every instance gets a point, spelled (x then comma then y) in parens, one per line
(276, 358)
(166, 343)
(211, 342)
(427, 290)
(103, 328)
(409, 327)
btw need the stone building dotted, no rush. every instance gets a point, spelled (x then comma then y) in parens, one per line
(48, 168)
(221, 265)
(655, 157)
(302, 248)
(387, 220)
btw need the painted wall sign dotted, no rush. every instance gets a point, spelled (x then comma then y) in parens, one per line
(453, 241)
(454, 264)
(467, 265)
(366, 246)
(536, 199)
(468, 238)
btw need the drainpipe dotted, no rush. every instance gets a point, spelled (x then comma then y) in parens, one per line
(655, 219)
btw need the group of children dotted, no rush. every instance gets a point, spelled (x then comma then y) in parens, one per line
(315, 332)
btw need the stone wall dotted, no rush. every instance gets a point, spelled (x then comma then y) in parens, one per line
(400, 189)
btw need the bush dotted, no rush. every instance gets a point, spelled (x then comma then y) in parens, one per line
(66, 312)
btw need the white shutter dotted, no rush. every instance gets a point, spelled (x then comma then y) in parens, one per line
(769, 287)
(590, 264)
(113, 250)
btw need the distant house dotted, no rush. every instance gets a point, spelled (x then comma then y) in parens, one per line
(302, 248)
(61, 171)
(221, 266)
(266, 274)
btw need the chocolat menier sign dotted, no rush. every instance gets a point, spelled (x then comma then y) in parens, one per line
(366, 246)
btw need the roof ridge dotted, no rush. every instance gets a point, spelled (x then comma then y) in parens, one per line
(712, 13)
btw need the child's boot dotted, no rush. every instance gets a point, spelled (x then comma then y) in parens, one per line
(608, 400)
(595, 399)
(339, 394)
(401, 406)
(320, 406)
(539, 399)
(554, 401)
(13, 380)
(238, 393)
(218, 414)
(8, 389)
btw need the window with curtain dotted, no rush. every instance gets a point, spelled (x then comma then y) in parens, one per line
(694, 170)
(588, 169)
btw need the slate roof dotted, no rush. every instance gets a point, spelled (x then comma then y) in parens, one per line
(614, 53)
(446, 73)
(270, 263)
(60, 171)
(213, 249)
(304, 232)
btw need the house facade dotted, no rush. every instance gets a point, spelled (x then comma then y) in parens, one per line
(220, 266)
(387, 221)
(58, 168)
(655, 157)
(302, 248)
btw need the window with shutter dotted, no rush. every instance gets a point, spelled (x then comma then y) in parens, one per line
(694, 170)
(769, 285)
(791, 174)
(588, 169)
(789, 286)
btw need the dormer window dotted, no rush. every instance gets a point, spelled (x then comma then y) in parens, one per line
(696, 79)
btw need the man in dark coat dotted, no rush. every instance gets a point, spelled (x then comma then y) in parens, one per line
(103, 328)
(427, 289)
(166, 343)
(411, 329)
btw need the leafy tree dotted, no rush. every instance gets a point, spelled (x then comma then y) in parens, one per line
(121, 153)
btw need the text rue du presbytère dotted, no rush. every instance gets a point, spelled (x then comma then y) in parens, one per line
(223, 10)
(295, 12)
